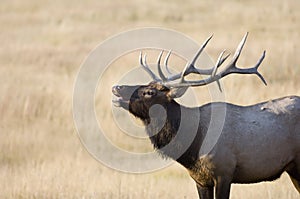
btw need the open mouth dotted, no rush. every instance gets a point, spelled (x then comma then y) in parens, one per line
(118, 100)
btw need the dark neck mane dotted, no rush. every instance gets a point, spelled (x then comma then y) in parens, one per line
(162, 132)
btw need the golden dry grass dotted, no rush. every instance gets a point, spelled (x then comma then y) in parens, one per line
(43, 44)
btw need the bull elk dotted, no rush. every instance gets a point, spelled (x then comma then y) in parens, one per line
(257, 143)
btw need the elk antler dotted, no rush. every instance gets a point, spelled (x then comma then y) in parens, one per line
(213, 75)
(146, 67)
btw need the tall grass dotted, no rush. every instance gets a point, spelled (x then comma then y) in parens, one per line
(42, 46)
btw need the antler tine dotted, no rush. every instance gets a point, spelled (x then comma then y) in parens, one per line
(184, 70)
(166, 62)
(257, 65)
(200, 50)
(219, 62)
(230, 68)
(253, 70)
(161, 74)
(190, 67)
(239, 50)
(146, 67)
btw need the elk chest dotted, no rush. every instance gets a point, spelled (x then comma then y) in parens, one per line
(203, 171)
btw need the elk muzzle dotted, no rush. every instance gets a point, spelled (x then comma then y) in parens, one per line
(123, 95)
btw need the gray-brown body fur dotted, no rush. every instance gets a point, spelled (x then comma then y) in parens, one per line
(257, 143)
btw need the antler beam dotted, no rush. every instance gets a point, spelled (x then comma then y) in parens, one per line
(229, 69)
(213, 74)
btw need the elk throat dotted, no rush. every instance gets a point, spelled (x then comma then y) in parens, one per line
(163, 132)
(162, 129)
(161, 124)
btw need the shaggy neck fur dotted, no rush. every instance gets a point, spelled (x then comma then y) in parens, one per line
(162, 132)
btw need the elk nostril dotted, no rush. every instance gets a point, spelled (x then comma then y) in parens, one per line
(115, 90)
(119, 87)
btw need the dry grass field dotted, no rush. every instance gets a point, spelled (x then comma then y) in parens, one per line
(43, 44)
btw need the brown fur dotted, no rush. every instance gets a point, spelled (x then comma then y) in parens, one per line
(257, 142)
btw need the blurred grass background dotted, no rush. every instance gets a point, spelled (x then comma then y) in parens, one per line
(43, 44)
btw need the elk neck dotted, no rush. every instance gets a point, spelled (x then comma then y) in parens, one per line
(163, 128)
(162, 132)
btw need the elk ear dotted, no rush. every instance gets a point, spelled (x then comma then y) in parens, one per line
(177, 92)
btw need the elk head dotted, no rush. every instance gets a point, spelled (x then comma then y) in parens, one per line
(163, 89)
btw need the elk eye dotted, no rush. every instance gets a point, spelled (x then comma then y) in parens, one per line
(148, 93)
